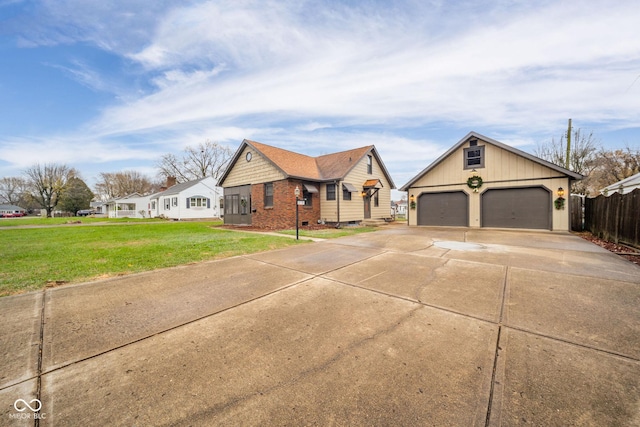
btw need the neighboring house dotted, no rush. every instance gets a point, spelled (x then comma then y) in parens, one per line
(399, 207)
(97, 207)
(624, 186)
(8, 211)
(339, 188)
(198, 199)
(481, 182)
(131, 206)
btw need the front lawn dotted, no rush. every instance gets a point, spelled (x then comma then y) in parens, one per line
(330, 233)
(36, 220)
(32, 258)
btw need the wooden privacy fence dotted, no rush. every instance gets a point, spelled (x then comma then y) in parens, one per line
(615, 218)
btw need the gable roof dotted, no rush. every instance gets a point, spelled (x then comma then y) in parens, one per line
(11, 207)
(472, 134)
(328, 167)
(631, 181)
(178, 188)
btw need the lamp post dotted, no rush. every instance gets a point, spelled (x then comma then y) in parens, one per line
(297, 193)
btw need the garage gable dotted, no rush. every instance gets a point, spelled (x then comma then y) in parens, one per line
(491, 159)
(480, 182)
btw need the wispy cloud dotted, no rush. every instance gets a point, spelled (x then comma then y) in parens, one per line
(326, 75)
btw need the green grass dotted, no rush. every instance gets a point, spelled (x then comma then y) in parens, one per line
(34, 220)
(32, 258)
(330, 233)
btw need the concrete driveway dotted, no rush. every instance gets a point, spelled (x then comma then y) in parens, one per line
(404, 326)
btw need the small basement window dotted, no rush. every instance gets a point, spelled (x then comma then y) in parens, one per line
(474, 157)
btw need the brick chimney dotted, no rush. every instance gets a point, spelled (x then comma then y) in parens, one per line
(171, 181)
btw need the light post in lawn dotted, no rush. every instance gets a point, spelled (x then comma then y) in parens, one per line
(297, 193)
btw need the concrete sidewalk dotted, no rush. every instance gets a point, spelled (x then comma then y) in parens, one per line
(404, 326)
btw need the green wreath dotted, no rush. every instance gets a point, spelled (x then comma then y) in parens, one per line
(474, 182)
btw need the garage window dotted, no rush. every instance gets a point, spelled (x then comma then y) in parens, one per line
(474, 157)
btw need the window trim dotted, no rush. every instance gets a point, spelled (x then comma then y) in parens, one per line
(331, 195)
(480, 157)
(346, 194)
(369, 164)
(307, 196)
(268, 197)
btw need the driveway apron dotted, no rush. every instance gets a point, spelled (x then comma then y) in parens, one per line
(403, 326)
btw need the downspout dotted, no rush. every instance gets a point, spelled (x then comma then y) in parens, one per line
(338, 191)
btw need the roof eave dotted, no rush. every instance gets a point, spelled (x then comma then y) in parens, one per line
(573, 176)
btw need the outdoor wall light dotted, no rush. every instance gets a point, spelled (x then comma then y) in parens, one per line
(297, 193)
(412, 201)
(412, 198)
(560, 191)
(363, 194)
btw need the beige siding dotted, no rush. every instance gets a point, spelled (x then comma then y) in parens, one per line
(256, 171)
(353, 210)
(502, 169)
(329, 208)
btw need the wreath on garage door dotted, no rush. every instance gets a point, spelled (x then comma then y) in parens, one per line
(474, 182)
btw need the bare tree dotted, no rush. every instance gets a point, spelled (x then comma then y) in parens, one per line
(207, 159)
(120, 184)
(13, 190)
(582, 158)
(612, 166)
(47, 183)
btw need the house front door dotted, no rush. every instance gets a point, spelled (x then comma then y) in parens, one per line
(367, 206)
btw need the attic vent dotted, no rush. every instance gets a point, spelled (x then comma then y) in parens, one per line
(473, 143)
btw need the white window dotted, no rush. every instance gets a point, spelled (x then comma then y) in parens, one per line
(198, 202)
(174, 201)
(167, 204)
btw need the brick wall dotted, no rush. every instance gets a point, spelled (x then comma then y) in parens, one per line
(283, 213)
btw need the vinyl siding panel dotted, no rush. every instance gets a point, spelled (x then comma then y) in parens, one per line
(502, 169)
(258, 170)
(329, 208)
(353, 210)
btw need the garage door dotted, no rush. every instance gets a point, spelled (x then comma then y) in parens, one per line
(516, 208)
(444, 209)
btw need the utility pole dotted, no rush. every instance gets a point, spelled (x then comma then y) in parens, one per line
(568, 158)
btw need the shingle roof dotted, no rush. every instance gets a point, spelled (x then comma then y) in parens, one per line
(178, 188)
(337, 165)
(570, 174)
(327, 167)
(292, 164)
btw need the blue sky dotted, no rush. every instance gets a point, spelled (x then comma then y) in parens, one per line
(112, 85)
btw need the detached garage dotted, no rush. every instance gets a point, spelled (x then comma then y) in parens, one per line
(481, 182)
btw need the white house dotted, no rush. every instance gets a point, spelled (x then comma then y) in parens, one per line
(131, 206)
(624, 186)
(188, 200)
(399, 207)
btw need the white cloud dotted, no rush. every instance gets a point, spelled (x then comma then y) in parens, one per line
(323, 75)
(513, 70)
